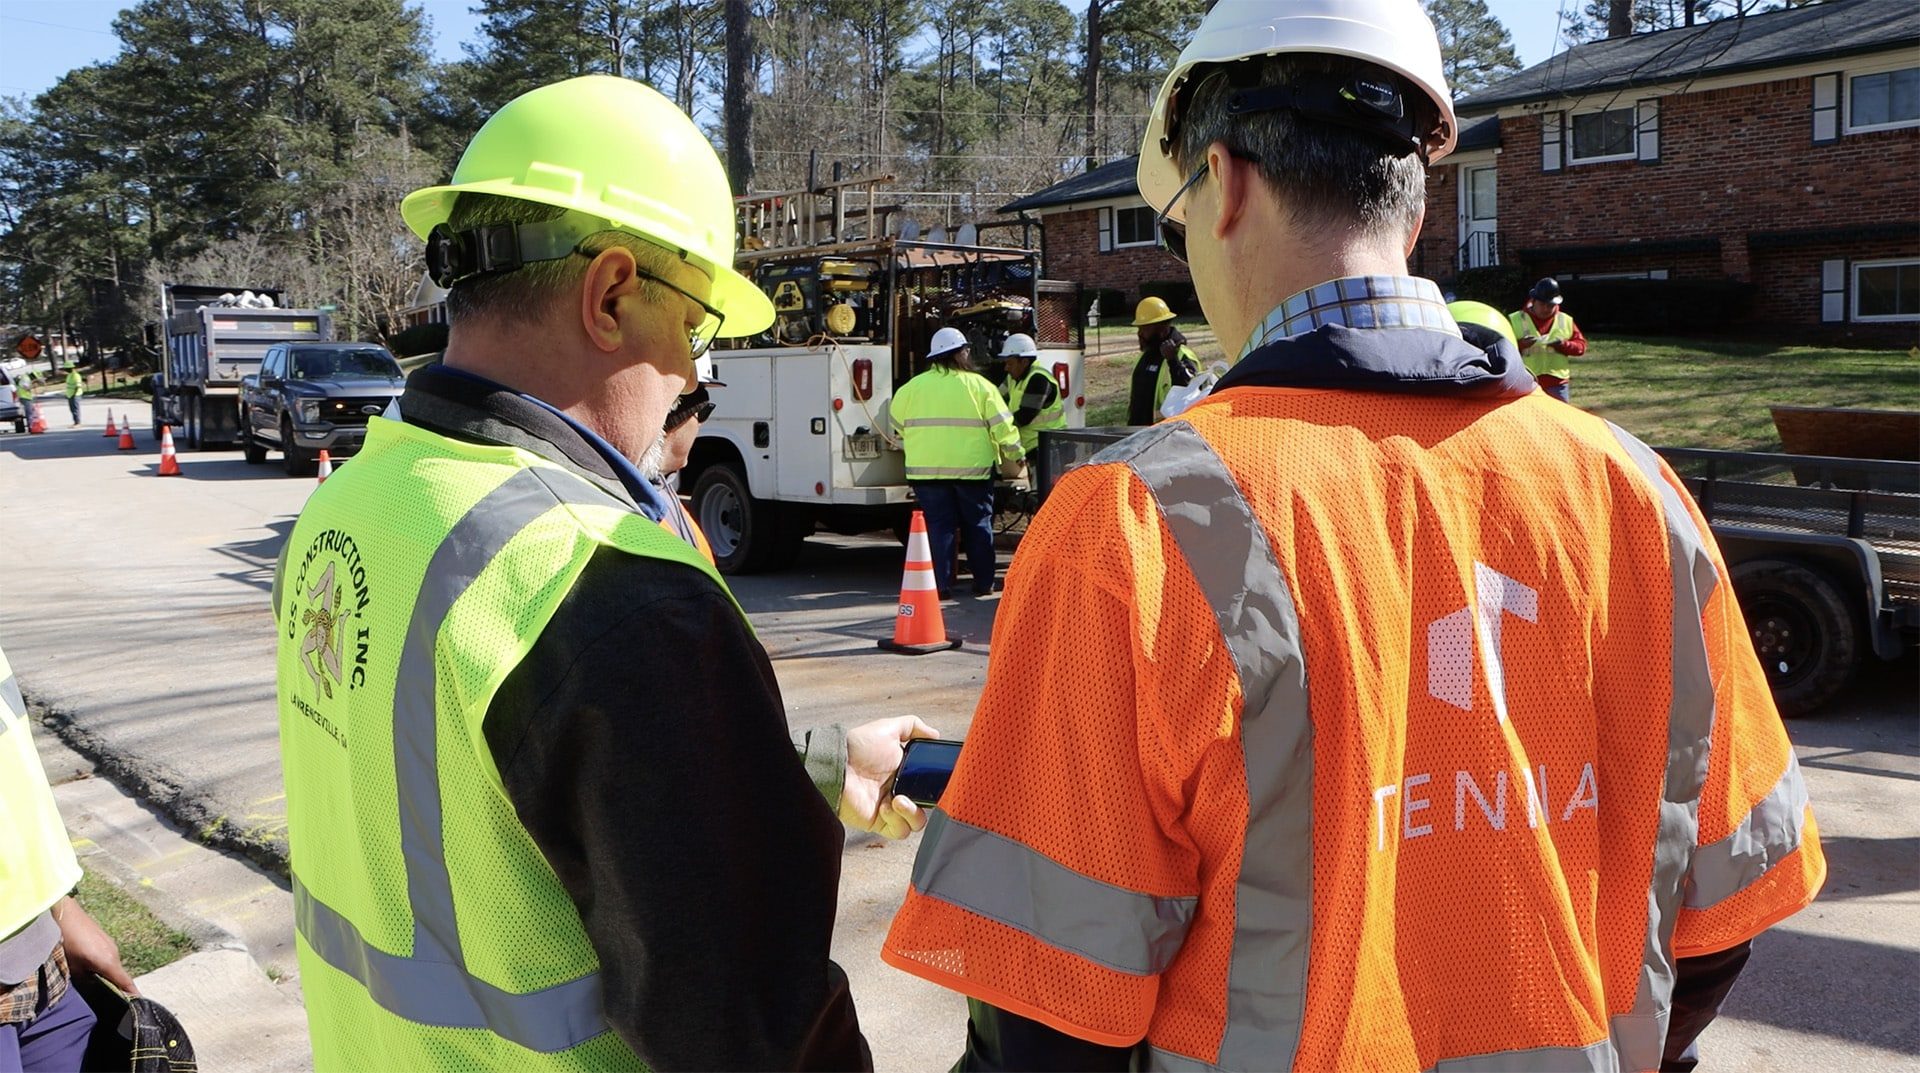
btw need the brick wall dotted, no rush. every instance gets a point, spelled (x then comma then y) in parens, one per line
(1071, 250)
(1787, 285)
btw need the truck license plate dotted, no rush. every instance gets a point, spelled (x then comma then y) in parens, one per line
(858, 447)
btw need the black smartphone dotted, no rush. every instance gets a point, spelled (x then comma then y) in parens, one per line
(925, 769)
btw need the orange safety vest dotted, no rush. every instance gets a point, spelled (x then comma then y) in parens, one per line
(1339, 729)
(699, 535)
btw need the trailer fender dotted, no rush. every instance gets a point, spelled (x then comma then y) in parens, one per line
(1850, 561)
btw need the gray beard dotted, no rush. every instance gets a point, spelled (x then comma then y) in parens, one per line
(655, 457)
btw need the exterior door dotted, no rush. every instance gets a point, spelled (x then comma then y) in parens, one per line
(1479, 218)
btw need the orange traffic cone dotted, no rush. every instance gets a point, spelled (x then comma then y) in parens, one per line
(39, 423)
(126, 435)
(169, 463)
(326, 466)
(109, 431)
(919, 628)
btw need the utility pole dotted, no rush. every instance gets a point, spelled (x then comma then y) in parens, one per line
(1093, 82)
(737, 109)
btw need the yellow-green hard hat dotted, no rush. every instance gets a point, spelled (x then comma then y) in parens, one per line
(1485, 316)
(615, 149)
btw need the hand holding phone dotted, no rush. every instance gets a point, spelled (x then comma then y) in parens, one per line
(925, 769)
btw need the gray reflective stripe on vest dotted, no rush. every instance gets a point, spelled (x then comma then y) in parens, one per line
(961, 472)
(1768, 834)
(431, 986)
(16, 704)
(1640, 1036)
(1003, 880)
(1598, 1057)
(1226, 548)
(945, 422)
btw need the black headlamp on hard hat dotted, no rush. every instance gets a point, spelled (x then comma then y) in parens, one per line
(1372, 103)
(453, 256)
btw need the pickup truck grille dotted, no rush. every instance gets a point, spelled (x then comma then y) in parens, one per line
(351, 411)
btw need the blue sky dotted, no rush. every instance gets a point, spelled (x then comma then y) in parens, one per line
(40, 40)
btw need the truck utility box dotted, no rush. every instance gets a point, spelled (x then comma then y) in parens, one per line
(212, 341)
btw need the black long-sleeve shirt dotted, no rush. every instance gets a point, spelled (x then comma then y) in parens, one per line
(644, 746)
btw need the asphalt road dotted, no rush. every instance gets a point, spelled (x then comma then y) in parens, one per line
(135, 611)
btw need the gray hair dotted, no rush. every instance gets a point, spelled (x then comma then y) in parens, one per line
(529, 293)
(1330, 178)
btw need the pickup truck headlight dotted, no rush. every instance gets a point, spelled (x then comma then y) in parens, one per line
(308, 409)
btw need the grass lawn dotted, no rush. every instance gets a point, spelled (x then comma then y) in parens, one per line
(145, 943)
(1668, 392)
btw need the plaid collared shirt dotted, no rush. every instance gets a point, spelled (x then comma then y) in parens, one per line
(29, 999)
(1357, 302)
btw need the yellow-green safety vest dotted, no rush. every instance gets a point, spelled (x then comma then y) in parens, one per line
(1542, 359)
(1165, 383)
(432, 933)
(1050, 417)
(75, 386)
(954, 426)
(38, 867)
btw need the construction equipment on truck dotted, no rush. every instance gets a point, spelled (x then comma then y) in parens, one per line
(798, 438)
(215, 336)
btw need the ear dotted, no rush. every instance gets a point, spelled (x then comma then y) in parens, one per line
(611, 277)
(1413, 236)
(1236, 180)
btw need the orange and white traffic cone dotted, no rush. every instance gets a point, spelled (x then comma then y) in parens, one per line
(919, 628)
(38, 424)
(326, 466)
(126, 435)
(109, 430)
(169, 463)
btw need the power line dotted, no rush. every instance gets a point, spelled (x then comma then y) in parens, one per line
(57, 25)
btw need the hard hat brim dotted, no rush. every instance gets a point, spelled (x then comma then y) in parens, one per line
(1170, 315)
(747, 309)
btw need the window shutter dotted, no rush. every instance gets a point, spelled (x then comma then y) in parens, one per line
(1552, 125)
(1826, 109)
(1833, 291)
(1647, 116)
(1106, 230)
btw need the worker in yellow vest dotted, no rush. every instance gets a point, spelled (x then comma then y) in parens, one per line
(956, 432)
(1165, 361)
(1548, 339)
(1030, 392)
(543, 808)
(45, 937)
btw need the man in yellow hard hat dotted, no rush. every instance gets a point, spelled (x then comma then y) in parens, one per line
(543, 808)
(1165, 361)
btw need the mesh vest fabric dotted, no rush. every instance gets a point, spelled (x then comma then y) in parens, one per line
(953, 426)
(38, 866)
(1053, 416)
(1541, 358)
(1450, 819)
(432, 932)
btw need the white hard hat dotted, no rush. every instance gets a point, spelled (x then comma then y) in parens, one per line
(1396, 34)
(945, 341)
(1019, 345)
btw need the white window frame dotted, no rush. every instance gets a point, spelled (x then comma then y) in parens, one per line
(1847, 96)
(1633, 144)
(1150, 240)
(1853, 299)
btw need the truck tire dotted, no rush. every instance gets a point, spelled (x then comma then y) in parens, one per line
(1804, 632)
(250, 448)
(295, 459)
(190, 415)
(158, 423)
(747, 534)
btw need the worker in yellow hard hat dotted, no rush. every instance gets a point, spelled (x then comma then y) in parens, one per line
(1165, 361)
(543, 806)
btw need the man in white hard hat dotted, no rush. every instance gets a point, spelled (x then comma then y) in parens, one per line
(542, 802)
(1378, 711)
(1031, 393)
(956, 433)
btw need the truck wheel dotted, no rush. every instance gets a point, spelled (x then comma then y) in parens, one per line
(252, 449)
(1803, 631)
(297, 461)
(747, 534)
(158, 424)
(190, 414)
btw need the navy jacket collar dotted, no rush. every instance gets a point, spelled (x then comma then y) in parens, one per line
(1416, 361)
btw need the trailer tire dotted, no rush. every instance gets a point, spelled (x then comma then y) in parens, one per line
(748, 535)
(1803, 631)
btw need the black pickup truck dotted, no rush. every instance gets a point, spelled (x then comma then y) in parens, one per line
(310, 396)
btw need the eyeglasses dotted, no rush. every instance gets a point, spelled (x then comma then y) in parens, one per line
(1173, 233)
(699, 338)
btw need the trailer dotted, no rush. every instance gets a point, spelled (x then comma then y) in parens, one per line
(1824, 553)
(799, 439)
(212, 342)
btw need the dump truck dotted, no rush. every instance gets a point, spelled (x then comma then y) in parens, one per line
(799, 438)
(215, 336)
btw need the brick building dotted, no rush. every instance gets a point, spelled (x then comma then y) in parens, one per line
(1781, 150)
(1096, 231)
